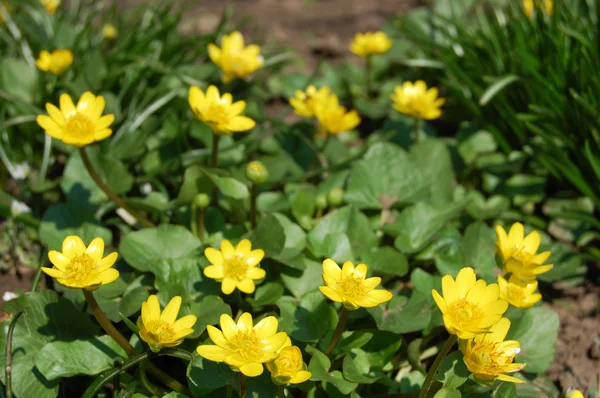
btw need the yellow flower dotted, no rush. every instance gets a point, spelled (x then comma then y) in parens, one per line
(164, 329)
(518, 293)
(365, 44)
(79, 125)
(305, 103)
(235, 59)
(235, 267)
(414, 99)
(242, 346)
(489, 357)
(223, 116)
(575, 394)
(349, 286)
(469, 306)
(546, 6)
(50, 5)
(334, 118)
(289, 366)
(56, 62)
(109, 32)
(517, 254)
(80, 267)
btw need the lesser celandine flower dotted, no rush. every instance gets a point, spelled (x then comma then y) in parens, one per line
(489, 357)
(289, 367)
(518, 293)
(334, 118)
(109, 32)
(306, 103)
(245, 347)
(416, 100)
(350, 286)
(516, 253)
(469, 306)
(575, 394)
(365, 44)
(82, 267)
(51, 5)
(234, 58)
(57, 62)
(219, 112)
(546, 6)
(163, 329)
(235, 267)
(77, 125)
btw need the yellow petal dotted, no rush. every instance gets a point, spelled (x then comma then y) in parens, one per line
(477, 291)
(214, 256)
(96, 249)
(228, 285)
(266, 328)
(55, 114)
(541, 258)
(53, 272)
(98, 108)
(186, 322)
(180, 334)
(237, 108)
(214, 272)
(439, 300)
(254, 257)
(99, 135)
(330, 294)
(331, 269)
(379, 296)
(300, 377)
(498, 331)
(104, 122)
(108, 276)
(243, 247)
(371, 283)
(449, 289)
(275, 342)
(246, 285)
(214, 53)
(227, 248)
(228, 326)
(67, 106)
(489, 320)
(212, 94)
(73, 246)
(240, 123)
(361, 269)
(347, 269)
(87, 103)
(515, 235)
(252, 369)
(496, 307)
(212, 353)
(245, 323)
(531, 243)
(464, 281)
(58, 260)
(153, 307)
(106, 262)
(217, 336)
(510, 379)
(170, 312)
(47, 123)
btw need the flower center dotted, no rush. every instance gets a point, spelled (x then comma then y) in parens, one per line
(247, 346)
(464, 312)
(236, 268)
(80, 125)
(80, 267)
(515, 292)
(289, 361)
(352, 287)
(160, 331)
(217, 114)
(490, 358)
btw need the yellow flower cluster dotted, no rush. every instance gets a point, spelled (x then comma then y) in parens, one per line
(235, 60)
(51, 5)
(57, 62)
(546, 6)
(325, 106)
(415, 100)
(109, 32)
(365, 44)
(517, 255)
(472, 310)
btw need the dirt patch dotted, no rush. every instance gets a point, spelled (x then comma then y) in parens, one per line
(578, 346)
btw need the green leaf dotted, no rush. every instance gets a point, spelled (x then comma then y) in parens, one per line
(348, 220)
(447, 393)
(153, 245)
(182, 277)
(229, 186)
(372, 183)
(506, 390)
(478, 249)
(272, 201)
(351, 340)
(356, 368)
(339, 247)
(481, 208)
(524, 188)
(496, 87)
(382, 348)
(452, 372)
(269, 236)
(206, 376)
(386, 260)
(308, 319)
(195, 181)
(303, 202)
(403, 314)
(66, 219)
(536, 331)
(18, 78)
(319, 367)
(208, 310)
(446, 251)
(295, 237)
(418, 224)
(299, 282)
(432, 159)
(266, 294)
(79, 357)
(472, 142)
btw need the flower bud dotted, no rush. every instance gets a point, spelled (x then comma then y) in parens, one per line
(202, 200)
(335, 197)
(257, 172)
(321, 202)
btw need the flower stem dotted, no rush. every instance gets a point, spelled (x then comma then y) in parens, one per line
(242, 385)
(253, 195)
(436, 364)
(281, 391)
(339, 329)
(110, 329)
(214, 161)
(417, 130)
(109, 192)
(200, 227)
(8, 354)
(368, 75)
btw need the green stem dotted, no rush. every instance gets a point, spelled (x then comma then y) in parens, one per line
(45, 157)
(242, 385)
(214, 162)
(110, 329)
(201, 224)
(281, 391)
(417, 130)
(341, 326)
(8, 354)
(368, 75)
(194, 219)
(36, 279)
(109, 192)
(436, 364)
(253, 195)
